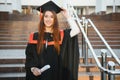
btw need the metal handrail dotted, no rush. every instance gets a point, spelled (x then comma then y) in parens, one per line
(91, 48)
(107, 45)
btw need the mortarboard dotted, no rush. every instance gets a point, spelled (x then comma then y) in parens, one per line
(51, 6)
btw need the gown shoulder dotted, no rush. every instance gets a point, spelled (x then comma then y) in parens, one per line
(33, 38)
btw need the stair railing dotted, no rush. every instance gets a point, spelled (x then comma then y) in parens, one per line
(113, 72)
(104, 41)
(111, 64)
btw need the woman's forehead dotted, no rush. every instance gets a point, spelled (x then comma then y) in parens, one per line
(48, 13)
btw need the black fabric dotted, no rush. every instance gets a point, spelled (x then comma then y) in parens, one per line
(63, 66)
(69, 57)
(50, 6)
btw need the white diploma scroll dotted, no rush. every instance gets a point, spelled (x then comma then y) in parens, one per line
(44, 68)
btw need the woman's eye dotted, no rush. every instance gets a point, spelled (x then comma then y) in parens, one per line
(52, 17)
(46, 16)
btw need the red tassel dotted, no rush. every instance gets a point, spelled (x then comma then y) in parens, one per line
(40, 14)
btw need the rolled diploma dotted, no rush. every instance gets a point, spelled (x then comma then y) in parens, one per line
(44, 68)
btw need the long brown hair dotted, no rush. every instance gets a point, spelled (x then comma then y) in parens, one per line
(41, 31)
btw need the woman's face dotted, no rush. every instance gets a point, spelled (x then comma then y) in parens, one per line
(48, 19)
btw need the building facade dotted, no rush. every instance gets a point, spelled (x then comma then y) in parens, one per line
(82, 7)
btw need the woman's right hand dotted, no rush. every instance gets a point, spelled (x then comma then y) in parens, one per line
(65, 13)
(36, 71)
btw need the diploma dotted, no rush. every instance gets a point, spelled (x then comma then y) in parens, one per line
(44, 68)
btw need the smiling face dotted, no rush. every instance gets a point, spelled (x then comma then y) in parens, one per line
(48, 19)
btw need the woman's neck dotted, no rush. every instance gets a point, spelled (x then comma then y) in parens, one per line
(49, 29)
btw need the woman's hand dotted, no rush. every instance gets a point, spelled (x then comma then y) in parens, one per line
(65, 13)
(36, 71)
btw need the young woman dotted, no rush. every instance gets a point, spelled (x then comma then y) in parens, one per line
(53, 47)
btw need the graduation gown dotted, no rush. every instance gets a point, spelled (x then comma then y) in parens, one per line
(63, 66)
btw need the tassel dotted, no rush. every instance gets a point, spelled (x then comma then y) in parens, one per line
(40, 14)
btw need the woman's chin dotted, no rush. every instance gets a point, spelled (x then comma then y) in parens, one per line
(48, 26)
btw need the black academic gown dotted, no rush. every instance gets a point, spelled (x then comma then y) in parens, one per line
(63, 66)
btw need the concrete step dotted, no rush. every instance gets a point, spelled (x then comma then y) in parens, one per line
(105, 32)
(91, 60)
(101, 43)
(20, 59)
(89, 76)
(103, 46)
(88, 68)
(93, 76)
(13, 38)
(12, 46)
(106, 38)
(7, 68)
(105, 35)
(13, 35)
(12, 76)
(10, 55)
(13, 42)
(14, 32)
(115, 28)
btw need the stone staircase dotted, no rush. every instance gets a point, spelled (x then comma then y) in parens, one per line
(14, 35)
(110, 32)
(12, 64)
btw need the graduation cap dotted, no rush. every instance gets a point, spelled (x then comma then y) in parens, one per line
(50, 6)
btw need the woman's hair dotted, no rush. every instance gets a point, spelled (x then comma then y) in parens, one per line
(41, 30)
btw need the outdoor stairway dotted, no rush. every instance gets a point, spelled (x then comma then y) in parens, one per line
(110, 30)
(14, 36)
(12, 64)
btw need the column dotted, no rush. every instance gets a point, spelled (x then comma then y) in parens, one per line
(100, 6)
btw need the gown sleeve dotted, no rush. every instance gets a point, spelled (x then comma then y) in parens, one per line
(74, 28)
(69, 57)
(30, 52)
(29, 56)
(31, 60)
